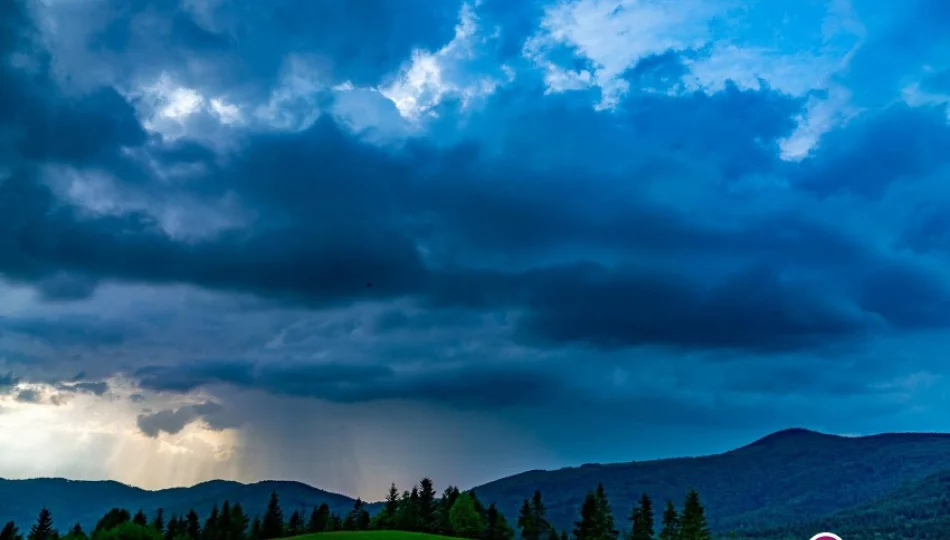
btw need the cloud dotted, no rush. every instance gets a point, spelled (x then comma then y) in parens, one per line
(173, 421)
(596, 209)
(482, 386)
(8, 382)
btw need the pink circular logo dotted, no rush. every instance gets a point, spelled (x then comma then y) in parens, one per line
(826, 536)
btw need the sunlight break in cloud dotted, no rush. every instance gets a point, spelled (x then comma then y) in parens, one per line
(427, 80)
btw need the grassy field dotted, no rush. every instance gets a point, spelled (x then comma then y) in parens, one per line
(373, 535)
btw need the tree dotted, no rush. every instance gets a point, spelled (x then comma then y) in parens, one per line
(408, 518)
(606, 529)
(224, 522)
(335, 523)
(273, 524)
(193, 525)
(140, 518)
(295, 525)
(538, 512)
(693, 524)
(239, 522)
(671, 523)
(76, 533)
(449, 496)
(319, 518)
(130, 531)
(43, 528)
(210, 530)
(496, 526)
(465, 521)
(10, 532)
(642, 518)
(111, 520)
(171, 531)
(586, 528)
(256, 529)
(159, 522)
(428, 517)
(526, 522)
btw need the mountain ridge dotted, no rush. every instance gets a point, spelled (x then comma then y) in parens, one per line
(791, 475)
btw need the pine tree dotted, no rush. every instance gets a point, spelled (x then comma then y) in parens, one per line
(449, 496)
(391, 508)
(538, 515)
(363, 519)
(587, 527)
(140, 518)
(10, 532)
(496, 526)
(159, 522)
(335, 523)
(193, 525)
(111, 520)
(606, 529)
(564, 535)
(210, 530)
(552, 534)
(256, 529)
(273, 524)
(76, 533)
(526, 522)
(671, 523)
(693, 524)
(43, 528)
(428, 518)
(319, 519)
(409, 511)
(642, 518)
(224, 522)
(295, 524)
(464, 519)
(172, 530)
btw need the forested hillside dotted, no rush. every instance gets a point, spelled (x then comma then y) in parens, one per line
(787, 477)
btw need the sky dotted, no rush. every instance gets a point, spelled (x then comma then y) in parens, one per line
(350, 243)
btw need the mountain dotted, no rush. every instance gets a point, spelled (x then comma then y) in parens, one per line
(72, 501)
(785, 485)
(918, 510)
(792, 476)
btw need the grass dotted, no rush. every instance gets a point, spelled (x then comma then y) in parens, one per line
(373, 535)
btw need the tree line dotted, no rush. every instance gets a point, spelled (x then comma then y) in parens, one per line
(456, 513)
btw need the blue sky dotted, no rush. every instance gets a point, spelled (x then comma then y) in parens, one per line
(356, 242)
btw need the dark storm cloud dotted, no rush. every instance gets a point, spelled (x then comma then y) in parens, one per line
(621, 230)
(360, 41)
(334, 225)
(70, 330)
(465, 386)
(898, 144)
(172, 421)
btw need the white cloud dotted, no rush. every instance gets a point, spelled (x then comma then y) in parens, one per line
(429, 77)
(613, 35)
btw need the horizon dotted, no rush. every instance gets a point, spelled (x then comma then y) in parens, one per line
(466, 488)
(352, 243)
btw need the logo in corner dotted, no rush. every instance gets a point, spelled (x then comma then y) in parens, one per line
(826, 536)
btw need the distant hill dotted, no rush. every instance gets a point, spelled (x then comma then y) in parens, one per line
(791, 476)
(918, 510)
(787, 483)
(72, 501)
